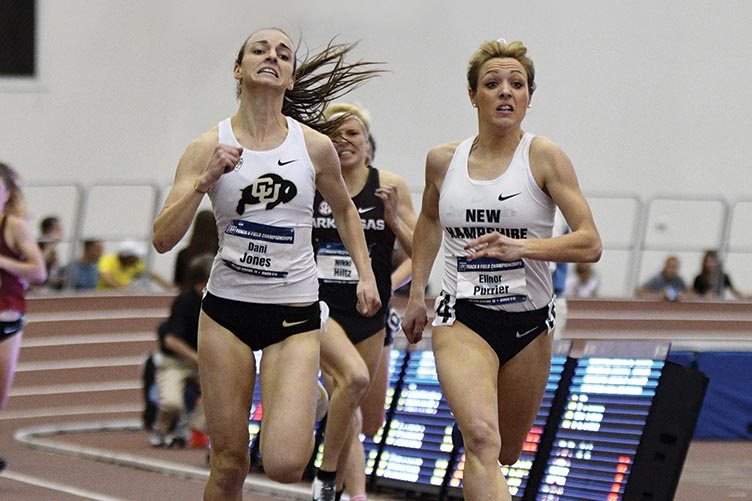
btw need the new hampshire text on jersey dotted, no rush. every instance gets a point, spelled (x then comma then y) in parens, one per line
(483, 216)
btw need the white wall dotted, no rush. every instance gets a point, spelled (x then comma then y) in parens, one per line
(646, 97)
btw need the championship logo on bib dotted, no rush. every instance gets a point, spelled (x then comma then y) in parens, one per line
(335, 266)
(258, 249)
(491, 281)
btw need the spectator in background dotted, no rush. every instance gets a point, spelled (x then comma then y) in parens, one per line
(666, 285)
(50, 234)
(583, 282)
(713, 282)
(21, 263)
(204, 240)
(119, 270)
(83, 273)
(177, 365)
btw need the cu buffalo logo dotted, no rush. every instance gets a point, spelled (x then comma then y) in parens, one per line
(269, 189)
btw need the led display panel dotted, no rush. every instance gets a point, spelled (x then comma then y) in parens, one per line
(418, 443)
(614, 415)
(607, 405)
(371, 446)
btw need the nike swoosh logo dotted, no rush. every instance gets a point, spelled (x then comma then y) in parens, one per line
(285, 323)
(502, 197)
(282, 164)
(362, 210)
(525, 333)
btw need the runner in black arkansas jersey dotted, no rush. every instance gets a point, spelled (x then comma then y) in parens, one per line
(351, 345)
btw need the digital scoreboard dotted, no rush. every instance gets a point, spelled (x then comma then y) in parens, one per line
(605, 412)
(614, 424)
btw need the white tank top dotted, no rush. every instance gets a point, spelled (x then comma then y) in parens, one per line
(264, 211)
(512, 204)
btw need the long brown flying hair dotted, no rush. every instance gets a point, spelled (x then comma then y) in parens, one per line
(320, 79)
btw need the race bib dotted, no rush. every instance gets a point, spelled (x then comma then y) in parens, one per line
(258, 249)
(491, 281)
(335, 266)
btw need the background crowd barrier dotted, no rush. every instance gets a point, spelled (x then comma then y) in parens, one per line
(637, 234)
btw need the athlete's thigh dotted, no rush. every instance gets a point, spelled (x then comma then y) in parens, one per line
(339, 357)
(9, 349)
(522, 381)
(370, 351)
(227, 374)
(468, 369)
(372, 406)
(288, 374)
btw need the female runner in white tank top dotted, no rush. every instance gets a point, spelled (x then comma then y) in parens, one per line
(261, 168)
(491, 199)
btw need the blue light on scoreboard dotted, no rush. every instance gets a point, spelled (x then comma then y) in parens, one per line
(604, 416)
(418, 443)
(371, 445)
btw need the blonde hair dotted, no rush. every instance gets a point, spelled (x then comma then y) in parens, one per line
(349, 110)
(499, 48)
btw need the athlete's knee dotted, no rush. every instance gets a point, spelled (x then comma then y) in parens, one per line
(481, 438)
(356, 384)
(285, 470)
(229, 468)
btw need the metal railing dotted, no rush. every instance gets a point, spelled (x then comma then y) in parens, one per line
(631, 227)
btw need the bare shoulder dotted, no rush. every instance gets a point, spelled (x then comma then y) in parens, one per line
(319, 145)
(199, 151)
(545, 151)
(443, 152)
(19, 230)
(15, 223)
(389, 177)
(550, 165)
(439, 158)
(205, 143)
